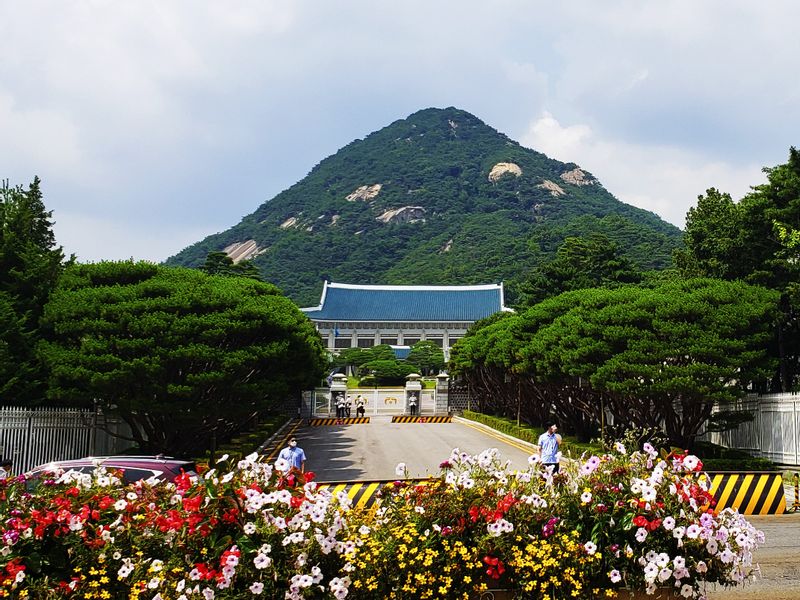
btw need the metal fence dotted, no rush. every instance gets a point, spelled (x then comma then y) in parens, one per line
(774, 432)
(30, 437)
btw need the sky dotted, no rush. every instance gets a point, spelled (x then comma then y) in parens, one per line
(153, 124)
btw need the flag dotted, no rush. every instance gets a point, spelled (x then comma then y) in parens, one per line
(336, 330)
(329, 378)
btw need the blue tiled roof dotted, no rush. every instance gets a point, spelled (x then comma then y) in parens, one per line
(342, 302)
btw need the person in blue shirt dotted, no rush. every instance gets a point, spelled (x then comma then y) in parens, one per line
(548, 447)
(294, 455)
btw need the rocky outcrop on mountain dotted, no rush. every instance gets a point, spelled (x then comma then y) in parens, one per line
(504, 168)
(553, 188)
(239, 251)
(404, 214)
(365, 192)
(578, 177)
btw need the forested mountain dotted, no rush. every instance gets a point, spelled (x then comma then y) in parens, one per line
(436, 198)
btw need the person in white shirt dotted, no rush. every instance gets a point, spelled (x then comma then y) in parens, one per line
(412, 404)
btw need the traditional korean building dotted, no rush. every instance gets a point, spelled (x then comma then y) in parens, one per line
(401, 315)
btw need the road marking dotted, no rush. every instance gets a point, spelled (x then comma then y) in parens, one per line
(518, 446)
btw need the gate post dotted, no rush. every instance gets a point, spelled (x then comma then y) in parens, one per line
(442, 396)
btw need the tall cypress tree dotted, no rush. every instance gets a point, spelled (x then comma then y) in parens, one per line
(30, 264)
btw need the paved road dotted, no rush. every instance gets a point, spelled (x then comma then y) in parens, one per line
(372, 451)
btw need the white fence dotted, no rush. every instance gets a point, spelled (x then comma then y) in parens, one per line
(30, 437)
(380, 401)
(774, 432)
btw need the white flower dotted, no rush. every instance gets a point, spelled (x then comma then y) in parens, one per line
(400, 469)
(668, 523)
(650, 572)
(615, 576)
(712, 546)
(249, 528)
(120, 505)
(262, 561)
(641, 534)
(664, 574)
(256, 588)
(619, 447)
(282, 465)
(590, 548)
(690, 463)
(586, 497)
(687, 591)
(533, 460)
(701, 567)
(693, 531)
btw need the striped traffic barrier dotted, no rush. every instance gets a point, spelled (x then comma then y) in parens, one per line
(363, 494)
(749, 493)
(422, 419)
(342, 421)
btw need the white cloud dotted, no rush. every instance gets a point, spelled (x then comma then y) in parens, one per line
(663, 179)
(94, 238)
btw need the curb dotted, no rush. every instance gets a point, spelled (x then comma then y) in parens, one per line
(275, 441)
(533, 447)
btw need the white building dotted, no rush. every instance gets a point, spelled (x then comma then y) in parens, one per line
(401, 315)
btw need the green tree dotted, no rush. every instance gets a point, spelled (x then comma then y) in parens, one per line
(219, 263)
(661, 356)
(427, 357)
(388, 372)
(184, 358)
(744, 241)
(30, 265)
(580, 263)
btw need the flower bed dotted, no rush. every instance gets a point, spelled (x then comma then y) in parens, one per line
(612, 522)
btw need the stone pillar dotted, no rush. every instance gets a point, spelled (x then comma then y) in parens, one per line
(442, 389)
(338, 386)
(413, 386)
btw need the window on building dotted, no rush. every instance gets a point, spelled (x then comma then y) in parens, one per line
(392, 341)
(342, 342)
(410, 341)
(366, 342)
(438, 341)
(453, 340)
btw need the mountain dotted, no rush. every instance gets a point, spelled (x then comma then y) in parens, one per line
(436, 198)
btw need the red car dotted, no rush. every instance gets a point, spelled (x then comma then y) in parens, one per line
(134, 468)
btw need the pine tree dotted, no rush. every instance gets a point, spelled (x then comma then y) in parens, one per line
(30, 265)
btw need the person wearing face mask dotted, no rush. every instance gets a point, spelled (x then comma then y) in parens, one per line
(294, 456)
(549, 442)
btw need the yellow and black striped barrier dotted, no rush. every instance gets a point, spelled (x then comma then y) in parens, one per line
(749, 493)
(422, 419)
(363, 494)
(342, 421)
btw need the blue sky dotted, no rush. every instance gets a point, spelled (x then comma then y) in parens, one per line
(153, 124)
